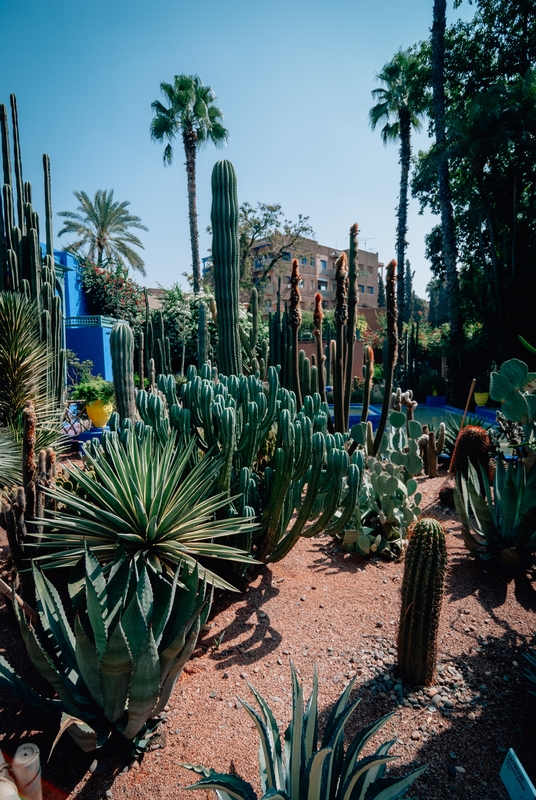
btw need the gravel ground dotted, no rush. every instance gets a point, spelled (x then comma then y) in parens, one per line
(340, 612)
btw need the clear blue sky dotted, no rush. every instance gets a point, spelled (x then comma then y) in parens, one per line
(293, 78)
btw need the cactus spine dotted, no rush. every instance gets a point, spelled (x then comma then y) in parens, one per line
(122, 351)
(224, 219)
(422, 594)
(202, 343)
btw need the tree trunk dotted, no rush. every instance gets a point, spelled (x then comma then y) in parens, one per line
(190, 148)
(402, 226)
(445, 197)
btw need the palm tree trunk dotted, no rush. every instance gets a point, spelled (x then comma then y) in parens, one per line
(190, 148)
(402, 226)
(445, 196)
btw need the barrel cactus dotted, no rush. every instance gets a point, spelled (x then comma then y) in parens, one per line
(422, 594)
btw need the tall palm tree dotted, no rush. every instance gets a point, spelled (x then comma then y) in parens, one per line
(401, 105)
(448, 231)
(102, 226)
(192, 112)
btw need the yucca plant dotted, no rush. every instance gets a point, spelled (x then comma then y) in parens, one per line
(305, 772)
(503, 523)
(115, 667)
(149, 499)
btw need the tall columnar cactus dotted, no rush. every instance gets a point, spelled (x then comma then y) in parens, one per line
(353, 298)
(202, 343)
(367, 388)
(22, 268)
(392, 350)
(422, 594)
(122, 352)
(294, 322)
(341, 319)
(224, 219)
(254, 311)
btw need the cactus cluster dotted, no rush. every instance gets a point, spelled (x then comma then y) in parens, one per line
(422, 595)
(22, 267)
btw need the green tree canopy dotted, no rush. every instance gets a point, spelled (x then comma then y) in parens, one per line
(102, 226)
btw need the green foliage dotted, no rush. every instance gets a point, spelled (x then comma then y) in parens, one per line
(102, 228)
(93, 389)
(114, 668)
(312, 769)
(425, 567)
(453, 425)
(515, 388)
(152, 500)
(110, 291)
(502, 523)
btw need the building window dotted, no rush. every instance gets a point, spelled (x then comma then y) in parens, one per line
(322, 286)
(369, 269)
(370, 289)
(286, 256)
(313, 262)
(304, 262)
(361, 288)
(312, 286)
(323, 264)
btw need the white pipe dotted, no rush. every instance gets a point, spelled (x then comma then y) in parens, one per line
(8, 789)
(26, 768)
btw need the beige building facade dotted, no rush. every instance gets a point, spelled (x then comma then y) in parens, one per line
(317, 268)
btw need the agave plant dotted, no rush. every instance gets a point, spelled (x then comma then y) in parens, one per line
(305, 772)
(150, 500)
(115, 667)
(502, 523)
(454, 424)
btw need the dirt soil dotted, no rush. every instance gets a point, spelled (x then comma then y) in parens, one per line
(340, 612)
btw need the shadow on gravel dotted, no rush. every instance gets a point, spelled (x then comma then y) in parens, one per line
(263, 639)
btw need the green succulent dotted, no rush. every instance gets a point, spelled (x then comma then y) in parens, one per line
(453, 425)
(304, 771)
(115, 666)
(503, 522)
(149, 499)
(515, 388)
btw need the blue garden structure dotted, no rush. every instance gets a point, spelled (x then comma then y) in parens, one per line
(87, 335)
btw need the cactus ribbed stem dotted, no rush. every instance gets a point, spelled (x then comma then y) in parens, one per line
(353, 297)
(318, 316)
(122, 352)
(422, 594)
(341, 319)
(225, 252)
(369, 375)
(294, 322)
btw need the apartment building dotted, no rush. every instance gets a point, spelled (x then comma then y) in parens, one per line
(317, 268)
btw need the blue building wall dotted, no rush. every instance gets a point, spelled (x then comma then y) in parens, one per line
(86, 335)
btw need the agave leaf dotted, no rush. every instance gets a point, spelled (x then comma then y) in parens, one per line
(357, 744)
(144, 687)
(135, 624)
(313, 773)
(232, 785)
(11, 681)
(294, 738)
(311, 719)
(50, 606)
(373, 773)
(273, 735)
(393, 788)
(370, 762)
(88, 665)
(115, 672)
(266, 755)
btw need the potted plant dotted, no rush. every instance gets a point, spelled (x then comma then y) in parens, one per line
(98, 396)
(432, 386)
(482, 389)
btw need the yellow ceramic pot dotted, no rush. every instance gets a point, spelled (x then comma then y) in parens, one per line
(99, 413)
(481, 398)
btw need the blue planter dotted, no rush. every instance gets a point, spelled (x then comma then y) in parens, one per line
(435, 400)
